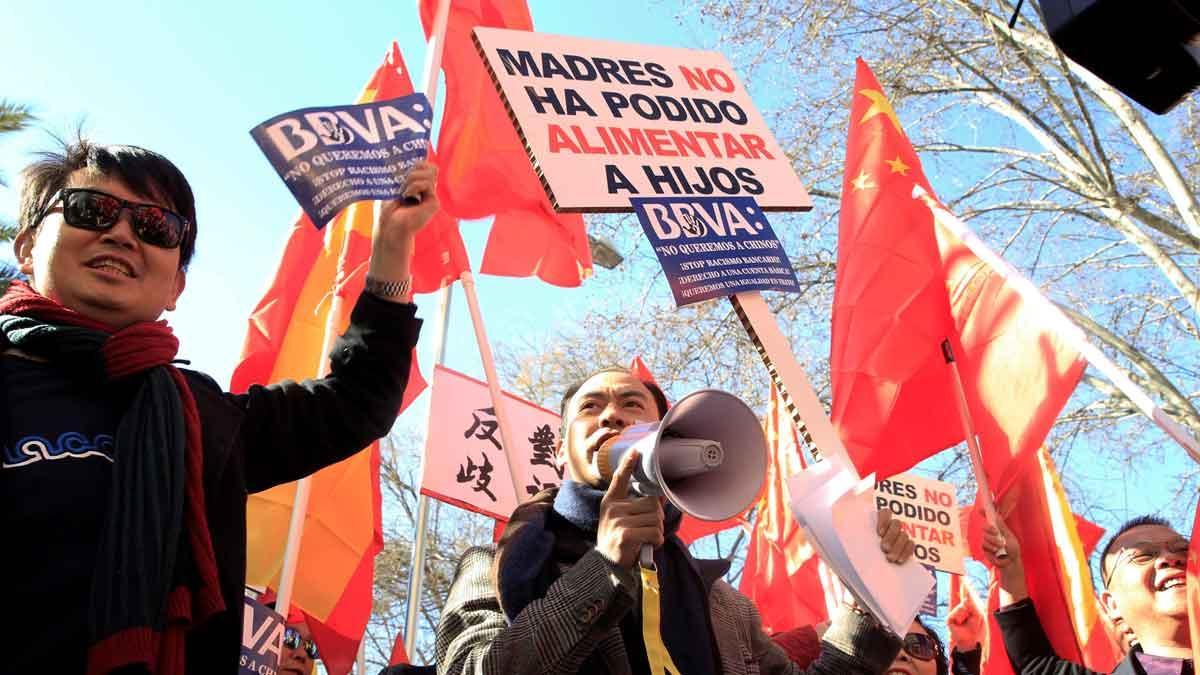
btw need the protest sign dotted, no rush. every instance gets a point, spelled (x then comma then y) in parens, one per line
(262, 639)
(464, 459)
(605, 121)
(928, 511)
(711, 247)
(331, 157)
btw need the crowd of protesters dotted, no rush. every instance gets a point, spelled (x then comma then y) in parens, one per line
(124, 483)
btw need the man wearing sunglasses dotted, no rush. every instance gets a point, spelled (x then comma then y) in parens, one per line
(1143, 570)
(299, 651)
(124, 479)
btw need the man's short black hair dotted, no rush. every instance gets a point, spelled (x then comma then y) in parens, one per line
(660, 399)
(1140, 521)
(146, 173)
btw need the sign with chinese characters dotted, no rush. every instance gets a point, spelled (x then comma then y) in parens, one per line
(928, 511)
(465, 463)
(605, 121)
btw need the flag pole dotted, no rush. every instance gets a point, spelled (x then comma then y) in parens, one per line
(416, 576)
(1062, 325)
(291, 551)
(493, 380)
(295, 536)
(983, 491)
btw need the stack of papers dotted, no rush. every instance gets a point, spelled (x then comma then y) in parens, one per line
(836, 508)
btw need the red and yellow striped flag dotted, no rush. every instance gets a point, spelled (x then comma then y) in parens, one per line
(1055, 545)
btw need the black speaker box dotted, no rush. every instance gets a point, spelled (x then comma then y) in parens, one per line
(1139, 47)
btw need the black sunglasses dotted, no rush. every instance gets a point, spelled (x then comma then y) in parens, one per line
(920, 646)
(95, 210)
(293, 640)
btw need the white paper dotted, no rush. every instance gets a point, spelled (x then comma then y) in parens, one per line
(836, 508)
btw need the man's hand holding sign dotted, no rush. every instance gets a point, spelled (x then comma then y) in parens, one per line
(395, 229)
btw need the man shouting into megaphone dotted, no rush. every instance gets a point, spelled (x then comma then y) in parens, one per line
(560, 593)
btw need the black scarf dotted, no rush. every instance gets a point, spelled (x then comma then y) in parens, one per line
(155, 572)
(559, 526)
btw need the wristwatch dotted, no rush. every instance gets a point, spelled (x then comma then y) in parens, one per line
(387, 289)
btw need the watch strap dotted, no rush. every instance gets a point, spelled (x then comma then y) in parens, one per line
(387, 289)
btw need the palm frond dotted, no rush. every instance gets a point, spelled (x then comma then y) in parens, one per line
(14, 116)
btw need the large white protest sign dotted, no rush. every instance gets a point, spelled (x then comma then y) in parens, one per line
(928, 511)
(605, 121)
(464, 459)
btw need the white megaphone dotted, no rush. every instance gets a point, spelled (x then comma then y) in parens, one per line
(708, 455)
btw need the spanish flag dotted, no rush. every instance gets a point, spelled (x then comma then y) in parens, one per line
(1055, 545)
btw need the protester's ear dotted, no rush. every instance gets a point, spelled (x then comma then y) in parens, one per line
(180, 283)
(1111, 607)
(23, 250)
(560, 453)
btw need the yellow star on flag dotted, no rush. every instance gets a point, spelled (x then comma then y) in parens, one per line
(898, 165)
(880, 105)
(863, 182)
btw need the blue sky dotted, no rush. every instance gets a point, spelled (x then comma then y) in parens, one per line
(190, 79)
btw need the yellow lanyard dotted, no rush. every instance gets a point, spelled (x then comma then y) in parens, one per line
(656, 650)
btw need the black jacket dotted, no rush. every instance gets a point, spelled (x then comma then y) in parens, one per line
(1031, 653)
(283, 432)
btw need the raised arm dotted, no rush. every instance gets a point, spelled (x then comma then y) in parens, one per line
(293, 429)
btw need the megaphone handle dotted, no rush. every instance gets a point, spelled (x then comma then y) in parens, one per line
(646, 557)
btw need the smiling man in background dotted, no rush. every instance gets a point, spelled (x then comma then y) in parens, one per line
(1144, 573)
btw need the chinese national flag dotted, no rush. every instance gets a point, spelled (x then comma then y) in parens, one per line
(485, 170)
(1055, 546)
(904, 285)
(781, 574)
(690, 529)
(290, 334)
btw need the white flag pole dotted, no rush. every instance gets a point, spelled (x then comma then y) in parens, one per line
(416, 577)
(291, 551)
(1061, 324)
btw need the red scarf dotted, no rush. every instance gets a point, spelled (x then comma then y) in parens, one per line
(123, 637)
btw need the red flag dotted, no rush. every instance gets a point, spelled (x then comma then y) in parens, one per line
(290, 333)
(781, 571)
(903, 286)
(399, 655)
(485, 169)
(690, 529)
(1056, 567)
